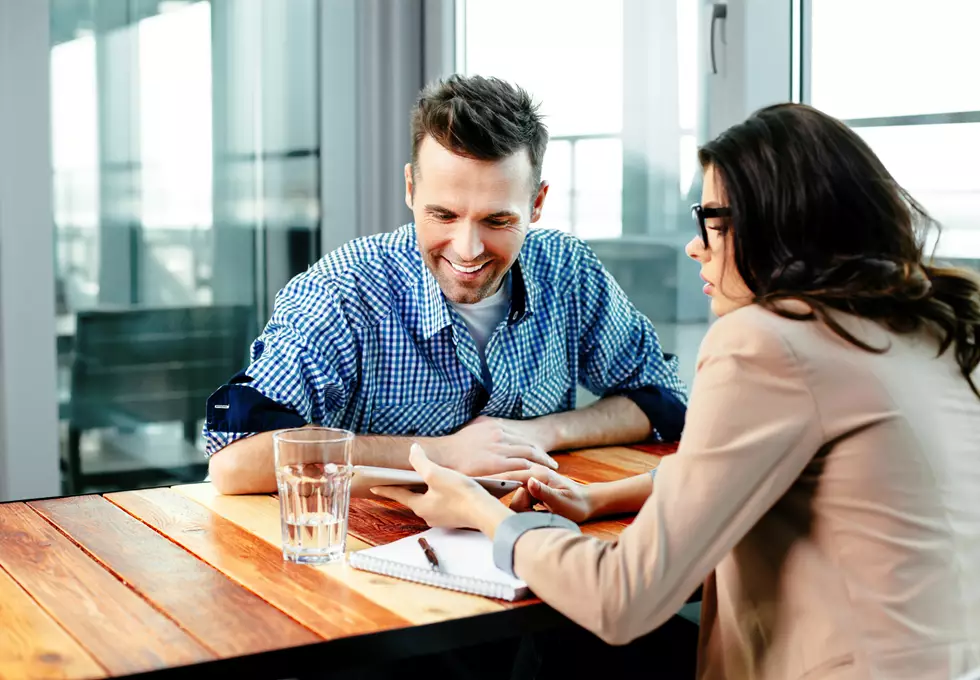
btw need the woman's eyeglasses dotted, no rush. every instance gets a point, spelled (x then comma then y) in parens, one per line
(701, 214)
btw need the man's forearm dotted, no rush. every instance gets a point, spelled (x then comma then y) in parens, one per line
(248, 465)
(609, 421)
(389, 452)
(244, 466)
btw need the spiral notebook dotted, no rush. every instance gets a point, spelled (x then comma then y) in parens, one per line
(465, 563)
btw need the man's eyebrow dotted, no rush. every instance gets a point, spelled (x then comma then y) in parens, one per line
(500, 214)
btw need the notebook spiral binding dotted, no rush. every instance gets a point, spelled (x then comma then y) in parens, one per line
(432, 577)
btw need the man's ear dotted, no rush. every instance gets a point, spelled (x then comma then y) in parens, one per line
(539, 201)
(409, 185)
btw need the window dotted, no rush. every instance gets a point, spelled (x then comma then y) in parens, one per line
(902, 75)
(598, 77)
(75, 160)
(879, 58)
(186, 174)
(620, 83)
(541, 46)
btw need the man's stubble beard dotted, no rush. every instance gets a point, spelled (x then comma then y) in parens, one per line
(472, 295)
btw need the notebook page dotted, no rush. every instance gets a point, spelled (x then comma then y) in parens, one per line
(460, 553)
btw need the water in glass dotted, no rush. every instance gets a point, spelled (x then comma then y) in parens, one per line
(314, 499)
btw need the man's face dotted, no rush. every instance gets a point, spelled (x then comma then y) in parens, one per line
(471, 217)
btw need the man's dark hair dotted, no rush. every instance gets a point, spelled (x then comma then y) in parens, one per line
(485, 119)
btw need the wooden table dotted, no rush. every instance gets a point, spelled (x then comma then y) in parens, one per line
(152, 580)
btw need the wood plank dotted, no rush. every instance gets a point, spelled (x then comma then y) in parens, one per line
(234, 622)
(589, 471)
(256, 514)
(630, 461)
(32, 645)
(382, 521)
(318, 602)
(661, 449)
(417, 603)
(122, 631)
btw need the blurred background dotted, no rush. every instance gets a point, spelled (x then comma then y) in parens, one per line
(172, 163)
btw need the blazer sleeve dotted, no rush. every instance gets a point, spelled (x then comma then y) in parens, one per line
(752, 427)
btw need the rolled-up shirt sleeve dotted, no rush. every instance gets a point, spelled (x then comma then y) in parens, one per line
(620, 353)
(302, 369)
(734, 462)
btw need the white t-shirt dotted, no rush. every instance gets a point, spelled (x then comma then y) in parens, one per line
(482, 318)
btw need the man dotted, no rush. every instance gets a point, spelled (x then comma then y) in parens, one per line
(464, 331)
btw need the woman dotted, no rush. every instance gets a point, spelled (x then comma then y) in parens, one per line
(826, 481)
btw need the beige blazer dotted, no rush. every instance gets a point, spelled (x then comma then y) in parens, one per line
(828, 497)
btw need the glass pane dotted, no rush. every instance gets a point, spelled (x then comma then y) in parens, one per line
(885, 58)
(75, 161)
(186, 185)
(175, 151)
(567, 53)
(619, 83)
(928, 160)
(690, 169)
(598, 188)
(557, 170)
(688, 82)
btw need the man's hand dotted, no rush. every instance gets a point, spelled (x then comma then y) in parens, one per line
(489, 446)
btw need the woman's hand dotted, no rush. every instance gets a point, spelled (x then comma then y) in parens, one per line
(451, 500)
(557, 493)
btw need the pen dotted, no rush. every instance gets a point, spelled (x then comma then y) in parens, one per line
(430, 554)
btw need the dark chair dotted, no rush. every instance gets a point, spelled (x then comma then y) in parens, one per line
(134, 367)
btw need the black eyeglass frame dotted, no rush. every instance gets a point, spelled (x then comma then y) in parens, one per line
(701, 214)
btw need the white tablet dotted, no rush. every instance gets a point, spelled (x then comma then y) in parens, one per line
(365, 477)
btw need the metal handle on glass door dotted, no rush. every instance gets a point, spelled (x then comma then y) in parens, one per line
(719, 10)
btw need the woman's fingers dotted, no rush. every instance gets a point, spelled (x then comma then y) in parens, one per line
(546, 494)
(421, 462)
(396, 493)
(522, 501)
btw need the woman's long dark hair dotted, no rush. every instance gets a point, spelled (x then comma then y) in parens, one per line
(817, 217)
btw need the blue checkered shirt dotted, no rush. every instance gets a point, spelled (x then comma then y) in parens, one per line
(364, 340)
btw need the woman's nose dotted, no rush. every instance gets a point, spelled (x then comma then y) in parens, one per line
(695, 249)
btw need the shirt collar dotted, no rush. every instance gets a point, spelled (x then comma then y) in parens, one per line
(434, 311)
(524, 291)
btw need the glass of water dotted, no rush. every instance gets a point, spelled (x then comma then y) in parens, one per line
(313, 473)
